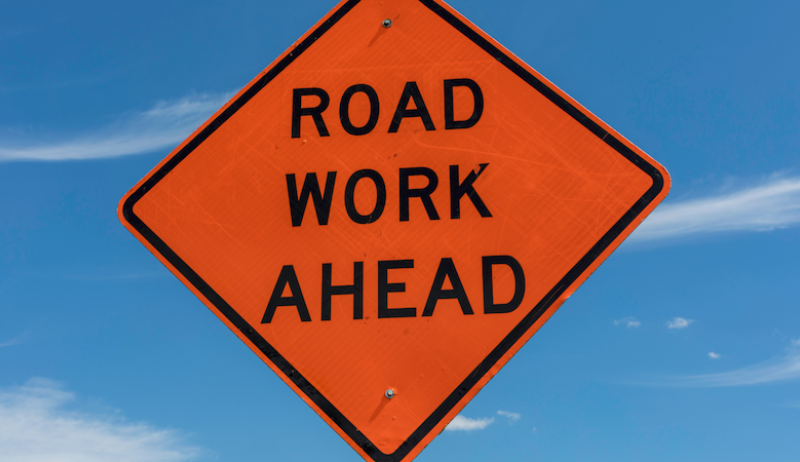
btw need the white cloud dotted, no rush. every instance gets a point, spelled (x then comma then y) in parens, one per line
(713, 355)
(774, 204)
(512, 416)
(466, 424)
(796, 342)
(628, 322)
(679, 323)
(778, 370)
(35, 426)
(14, 341)
(164, 126)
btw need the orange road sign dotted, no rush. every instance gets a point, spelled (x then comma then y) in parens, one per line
(389, 211)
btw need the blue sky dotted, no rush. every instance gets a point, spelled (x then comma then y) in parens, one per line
(684, 345)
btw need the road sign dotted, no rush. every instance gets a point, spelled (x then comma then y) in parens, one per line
(389, 211)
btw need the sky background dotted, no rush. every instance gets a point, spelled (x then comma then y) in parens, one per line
(684, 345)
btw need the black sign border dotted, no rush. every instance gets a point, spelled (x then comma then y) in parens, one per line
(508, 342)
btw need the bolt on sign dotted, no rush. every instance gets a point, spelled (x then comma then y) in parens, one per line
(389, 211)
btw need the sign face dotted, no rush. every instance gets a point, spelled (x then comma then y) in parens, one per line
(389, 211)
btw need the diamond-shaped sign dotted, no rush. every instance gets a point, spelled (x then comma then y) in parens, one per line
(389, 211)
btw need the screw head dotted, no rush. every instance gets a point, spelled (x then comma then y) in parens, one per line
(389, 393)
(387, 23)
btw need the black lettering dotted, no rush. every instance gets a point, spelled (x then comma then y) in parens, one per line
(489, 306)
(449, 112)
(349, 196)
(374, 109)
(447, 269)
(457, 191)
(385, 288)
(322, 204)
(356, 290)
(411, 91)
(299, 111)
(424, 193)
(287, 277)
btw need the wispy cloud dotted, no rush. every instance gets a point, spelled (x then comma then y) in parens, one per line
(465, 424)
(629, 322)
(774, 204)
(679, 323)
(513, 417)
(164, 126)
(713, 355)
(777, 370)
(35, 426)
(796, 342)
(14, 341)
